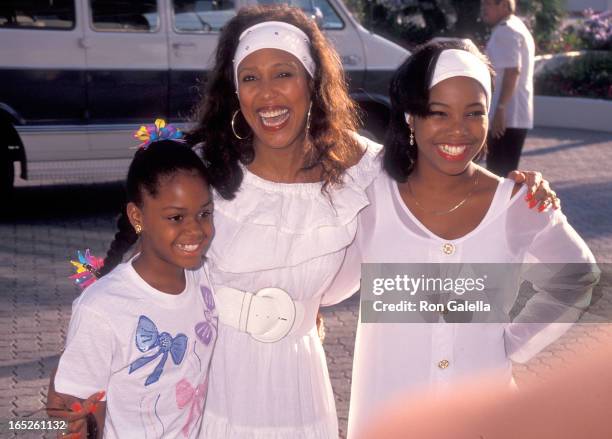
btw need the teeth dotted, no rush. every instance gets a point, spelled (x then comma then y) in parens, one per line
(453, 150)
(188, 247)
(274, 113)
(274, 118)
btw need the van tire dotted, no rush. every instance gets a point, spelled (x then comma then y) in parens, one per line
(7, 173)
(7, 169)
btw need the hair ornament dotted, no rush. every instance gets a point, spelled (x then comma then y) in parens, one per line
(87, 269)
(148, 134)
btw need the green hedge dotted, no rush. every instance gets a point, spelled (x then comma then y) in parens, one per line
(588, 76)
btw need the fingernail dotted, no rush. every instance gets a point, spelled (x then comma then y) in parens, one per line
(101, 394)
(542, 207)
(532, 203)
(529, 196)
(76, 407)
(93, 408)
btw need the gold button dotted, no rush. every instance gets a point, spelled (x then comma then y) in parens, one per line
(443, 364)
(448, 248)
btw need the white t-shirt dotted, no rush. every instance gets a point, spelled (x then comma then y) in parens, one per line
(150, 351)
(392, 359)
(511, 45)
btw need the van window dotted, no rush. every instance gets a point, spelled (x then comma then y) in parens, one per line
(124, 16)
(320, 10)
(202, 15)
(37, 14)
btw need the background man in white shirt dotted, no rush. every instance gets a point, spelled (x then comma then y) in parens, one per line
(511, 50)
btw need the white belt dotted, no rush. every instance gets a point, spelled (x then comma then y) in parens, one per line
(268, 315)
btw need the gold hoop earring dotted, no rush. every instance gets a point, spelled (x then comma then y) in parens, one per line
(234, 127)
(138, 229)
(411, 136)
(308, 119)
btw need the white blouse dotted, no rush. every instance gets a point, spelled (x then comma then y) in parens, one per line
(288, 236)
(394, 358)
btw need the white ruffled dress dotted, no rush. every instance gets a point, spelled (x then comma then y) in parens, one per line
(288, 236)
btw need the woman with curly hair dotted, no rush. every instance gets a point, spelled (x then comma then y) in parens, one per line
(277, 131)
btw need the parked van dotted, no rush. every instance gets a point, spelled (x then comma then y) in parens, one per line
(77, 76)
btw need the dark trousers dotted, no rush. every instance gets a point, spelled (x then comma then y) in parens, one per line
(503, 154)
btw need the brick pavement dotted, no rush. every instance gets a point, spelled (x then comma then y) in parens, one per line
(46, 224)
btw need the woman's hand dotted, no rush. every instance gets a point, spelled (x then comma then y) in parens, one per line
(72, 410)
(538, 190)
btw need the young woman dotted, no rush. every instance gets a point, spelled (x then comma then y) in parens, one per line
(435, 205)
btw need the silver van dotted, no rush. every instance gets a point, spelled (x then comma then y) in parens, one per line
(77, 76)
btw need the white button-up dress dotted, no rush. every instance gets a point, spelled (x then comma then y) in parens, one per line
(394, 358)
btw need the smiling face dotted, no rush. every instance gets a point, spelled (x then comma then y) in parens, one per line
(274, 94)
(456, 128)
(176, 223)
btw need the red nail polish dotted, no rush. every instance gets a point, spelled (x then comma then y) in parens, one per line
(532, 203)
(76, 407)
(93, 408)
(101, 394)
(541, 208)
(529, 197)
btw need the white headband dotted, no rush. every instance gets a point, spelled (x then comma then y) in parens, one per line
(274, 35)
(456, 62)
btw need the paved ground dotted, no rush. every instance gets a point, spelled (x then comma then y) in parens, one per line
(45, 224)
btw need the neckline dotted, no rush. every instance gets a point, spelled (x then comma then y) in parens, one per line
(154, 293)
(397, 199)
(273, 186)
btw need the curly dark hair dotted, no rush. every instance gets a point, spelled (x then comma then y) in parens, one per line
(409, 92)
(160, 160)
(333, 116)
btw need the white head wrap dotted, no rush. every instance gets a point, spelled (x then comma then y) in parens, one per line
(457, 62)
(274, 35)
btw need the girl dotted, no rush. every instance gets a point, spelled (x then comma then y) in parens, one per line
(145, 331)
(434, 205)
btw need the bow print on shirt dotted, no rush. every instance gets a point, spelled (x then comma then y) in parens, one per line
(147, 338)
(195, 397)
(207, 330)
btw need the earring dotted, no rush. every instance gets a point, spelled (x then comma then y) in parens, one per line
(411, 136)
(234, 127)
(308, 118)
(138, 229)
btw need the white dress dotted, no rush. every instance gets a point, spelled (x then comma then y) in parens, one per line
(394, 358)
(287, 236)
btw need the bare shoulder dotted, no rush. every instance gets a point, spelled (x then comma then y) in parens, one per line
(487, 181)
(491, 181)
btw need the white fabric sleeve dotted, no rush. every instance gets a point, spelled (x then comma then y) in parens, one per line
(508, 49)
(85, 365)
(348, 279)
(563, 272)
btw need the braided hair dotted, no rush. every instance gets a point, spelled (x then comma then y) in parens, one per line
(149, 167)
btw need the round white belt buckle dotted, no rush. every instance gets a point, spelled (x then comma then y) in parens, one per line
(285, 310)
